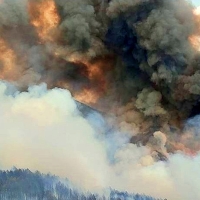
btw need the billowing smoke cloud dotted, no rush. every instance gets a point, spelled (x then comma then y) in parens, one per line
(153, 38)
(43, 130)
(51, 137)
(136, 61)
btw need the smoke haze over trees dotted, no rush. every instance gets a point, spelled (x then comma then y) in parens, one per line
(24, 184)
(105, 93)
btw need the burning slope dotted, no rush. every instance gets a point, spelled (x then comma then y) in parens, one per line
(137, 61)
(96, 72)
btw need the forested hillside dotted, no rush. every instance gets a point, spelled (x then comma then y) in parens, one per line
(20, 184)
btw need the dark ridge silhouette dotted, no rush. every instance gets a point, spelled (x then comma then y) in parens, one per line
(20, 184)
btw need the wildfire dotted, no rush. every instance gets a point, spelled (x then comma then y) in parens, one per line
(96, 73)
(91, 94)
(195, 39)
(197, 11)
(87, 96)
(7, 62)
(44, 18)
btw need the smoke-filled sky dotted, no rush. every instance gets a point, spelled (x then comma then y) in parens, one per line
(136, 62)
(43, 130)
(196, 2)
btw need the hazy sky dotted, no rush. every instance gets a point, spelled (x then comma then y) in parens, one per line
(196, 2)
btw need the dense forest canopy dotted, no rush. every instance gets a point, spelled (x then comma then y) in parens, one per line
(21, 184)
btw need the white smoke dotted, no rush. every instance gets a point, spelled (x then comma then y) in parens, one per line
(43, 130)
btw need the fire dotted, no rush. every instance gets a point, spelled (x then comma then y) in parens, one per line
(195, 39)
(8, 62)
(91, 94)
(96, 72)
(87, 96)
(44, 18)
(197, 11)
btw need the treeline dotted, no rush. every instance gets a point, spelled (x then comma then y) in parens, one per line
(21, 184)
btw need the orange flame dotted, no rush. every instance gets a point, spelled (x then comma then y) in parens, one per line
(44, 18)
(195, 39)
(91, 94)
(8, 62)
(87, 96)
(96, 73)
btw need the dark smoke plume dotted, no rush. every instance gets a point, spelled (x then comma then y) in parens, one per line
(161, 65)
(135, 55)
(132, 60)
